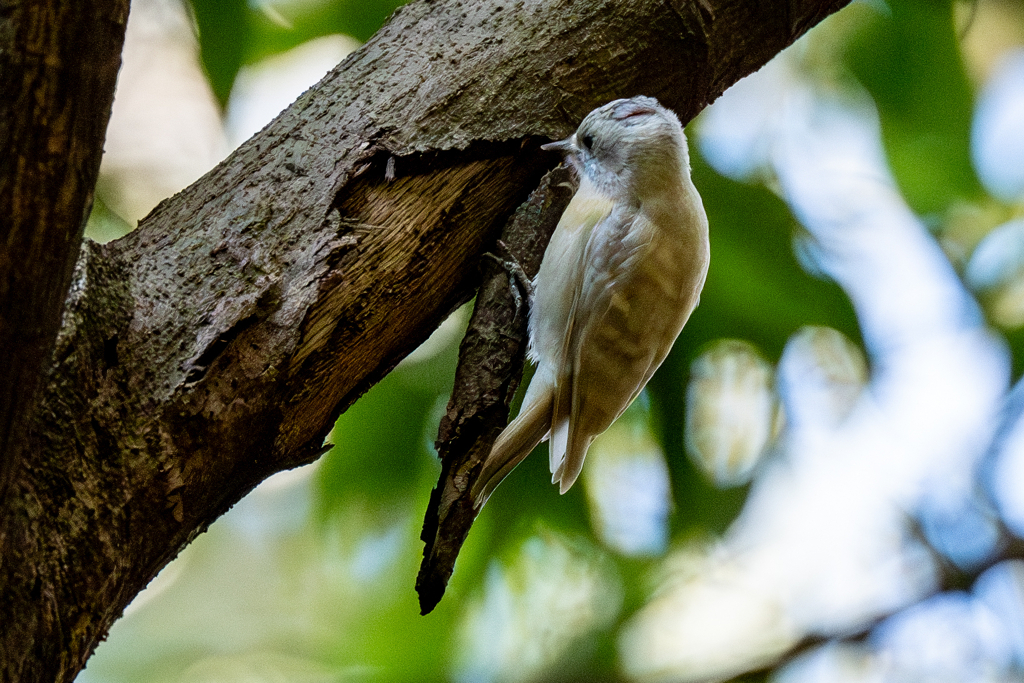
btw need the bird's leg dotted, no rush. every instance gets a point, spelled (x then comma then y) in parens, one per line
(516, 269)
(508, 266)
(516, 275)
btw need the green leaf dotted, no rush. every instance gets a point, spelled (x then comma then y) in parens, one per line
(910, 63)
(223, 39)
(293, 25)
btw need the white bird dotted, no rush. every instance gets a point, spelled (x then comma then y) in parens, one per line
(620, 277)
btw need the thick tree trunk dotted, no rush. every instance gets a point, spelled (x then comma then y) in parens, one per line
(216, 344)
(58, 67)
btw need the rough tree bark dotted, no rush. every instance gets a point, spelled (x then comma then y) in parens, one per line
(58, 67)
(217, 343)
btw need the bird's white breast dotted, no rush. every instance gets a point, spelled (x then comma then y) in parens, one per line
(562, 269)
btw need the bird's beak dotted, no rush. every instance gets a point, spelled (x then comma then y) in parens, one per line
(566, 146)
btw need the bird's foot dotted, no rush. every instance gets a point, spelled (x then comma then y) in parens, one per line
(517, 276)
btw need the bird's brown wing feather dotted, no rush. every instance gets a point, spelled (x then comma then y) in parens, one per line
(613, 353)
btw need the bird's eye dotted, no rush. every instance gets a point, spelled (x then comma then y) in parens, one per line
(587, 140)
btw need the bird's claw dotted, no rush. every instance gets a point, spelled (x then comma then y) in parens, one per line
(516, 276)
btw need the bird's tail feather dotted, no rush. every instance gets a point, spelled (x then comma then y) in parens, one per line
(513, 445)
(568, 443)
(572, 462)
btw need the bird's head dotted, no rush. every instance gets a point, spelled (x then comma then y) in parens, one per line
(627, 145)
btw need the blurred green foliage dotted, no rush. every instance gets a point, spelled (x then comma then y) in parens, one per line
(105, 225)
(909, 61)
(237, 32)
(224, 36)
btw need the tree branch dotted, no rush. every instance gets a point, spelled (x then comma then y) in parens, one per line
(217, 344)
(491, 359)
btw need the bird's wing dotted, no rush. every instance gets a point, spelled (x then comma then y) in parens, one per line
(561, 406)
(559, 288)
(624, 325)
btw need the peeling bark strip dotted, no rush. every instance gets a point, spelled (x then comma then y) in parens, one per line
(216, 344)
(490, 364)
